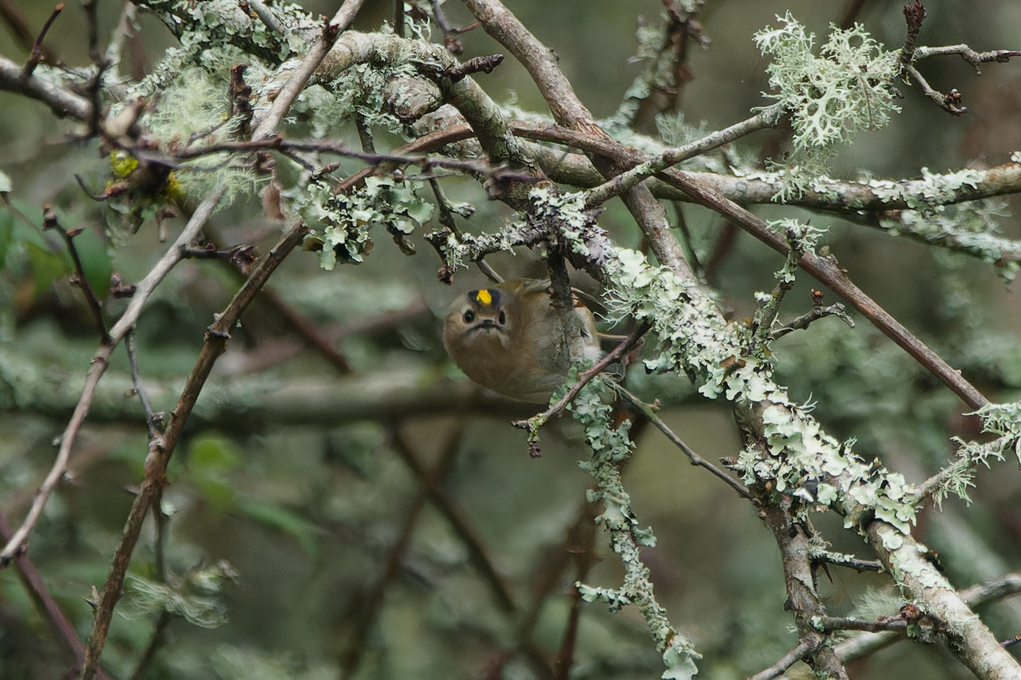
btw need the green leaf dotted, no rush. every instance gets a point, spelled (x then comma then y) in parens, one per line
(95, 261)
(212, 452)
(46, 267)
(287, 521)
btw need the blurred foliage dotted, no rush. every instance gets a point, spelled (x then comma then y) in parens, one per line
(306, 513)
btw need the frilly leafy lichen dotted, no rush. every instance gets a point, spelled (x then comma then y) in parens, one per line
(347, 217)
(848, 88)
(1001, 420)
(215, 23)
(610, 447)
(796, 457)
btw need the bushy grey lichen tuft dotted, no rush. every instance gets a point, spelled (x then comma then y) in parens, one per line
(830, 97)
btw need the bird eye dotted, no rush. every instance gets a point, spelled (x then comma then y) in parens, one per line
(469, 316)
(503, 317)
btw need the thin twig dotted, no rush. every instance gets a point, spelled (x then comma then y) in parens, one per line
(95, 85)
(267, 17)
(296, 83)
(618, 184)
(450, 40)
(24, 35)
(584, 378)
(819, 310)
(649, 412)
(949, 102)
(579, 546)
(446, 218)
(136, 377)
(50, 221)
(969, 55)
(472, 166)
(831, 623)
(122, 33)
(819, 556)
(788, 660)
(37, 47)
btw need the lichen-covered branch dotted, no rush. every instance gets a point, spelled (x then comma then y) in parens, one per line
(610, 449)
(965, 635)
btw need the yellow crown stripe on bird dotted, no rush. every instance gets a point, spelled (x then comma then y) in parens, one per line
(484, 297)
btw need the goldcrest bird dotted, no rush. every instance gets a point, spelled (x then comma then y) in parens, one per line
(512, 339)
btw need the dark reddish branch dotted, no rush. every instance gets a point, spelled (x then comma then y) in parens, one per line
(60, 626)
(38, 51)
(914, 14)
(50, 221)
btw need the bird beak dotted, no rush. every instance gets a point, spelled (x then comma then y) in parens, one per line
(483, 325)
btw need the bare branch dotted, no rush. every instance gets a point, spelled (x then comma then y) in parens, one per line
(789, 659)
(969, 55)
(50, 221)
(649, 411)
(296, 83)
(625, 180)
(949, 102)
(37, 46)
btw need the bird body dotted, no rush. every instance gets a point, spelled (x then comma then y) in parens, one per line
(512, 339)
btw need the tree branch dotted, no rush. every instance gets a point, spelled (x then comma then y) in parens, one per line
(162, 447)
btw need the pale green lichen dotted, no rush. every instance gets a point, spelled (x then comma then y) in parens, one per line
(848, 88)
(693, 339)
(929, 194)
(971, 228)
(361, 90)
(215, 23)
(346, 218)
(801, 238)
(193, 110)
(798, 458)
(1001, 420)
(196, 598)
(611, 446)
